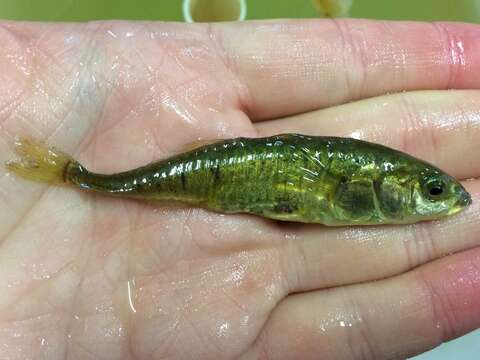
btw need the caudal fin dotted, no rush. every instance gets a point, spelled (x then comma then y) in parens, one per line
(39, 162)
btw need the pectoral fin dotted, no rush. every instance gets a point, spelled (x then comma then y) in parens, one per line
(354, 201)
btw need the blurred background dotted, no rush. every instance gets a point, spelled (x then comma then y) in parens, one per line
(465, 348)
(171, 10)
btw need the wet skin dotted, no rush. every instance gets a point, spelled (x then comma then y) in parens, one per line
(85, 276)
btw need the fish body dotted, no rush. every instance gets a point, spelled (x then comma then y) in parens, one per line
(291, 177)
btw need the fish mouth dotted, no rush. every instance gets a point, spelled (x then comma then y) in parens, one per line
(465, 199)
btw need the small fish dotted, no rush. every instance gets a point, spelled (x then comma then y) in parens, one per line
(292, 177)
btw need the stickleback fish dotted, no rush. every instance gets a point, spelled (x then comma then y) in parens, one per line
(292, 177)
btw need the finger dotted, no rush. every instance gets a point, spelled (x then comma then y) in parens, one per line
(319, 257)
(297, 66)
(389, 319)
(438, 126)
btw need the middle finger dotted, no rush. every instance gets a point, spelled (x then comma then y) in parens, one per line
(437, 126)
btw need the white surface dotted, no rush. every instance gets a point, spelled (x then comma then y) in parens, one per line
(188, 16)
(465, 348)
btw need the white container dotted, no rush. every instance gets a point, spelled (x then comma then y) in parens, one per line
(214, 10)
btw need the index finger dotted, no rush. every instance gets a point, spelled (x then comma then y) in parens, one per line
(298, 66)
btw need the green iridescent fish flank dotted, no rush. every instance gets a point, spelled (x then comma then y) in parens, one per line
(292, 177)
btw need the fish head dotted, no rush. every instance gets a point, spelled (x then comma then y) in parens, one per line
(419, 192)
(435, 194)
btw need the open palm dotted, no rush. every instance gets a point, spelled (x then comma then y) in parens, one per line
(84, 276)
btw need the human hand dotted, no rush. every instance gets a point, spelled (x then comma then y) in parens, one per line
(90, 277)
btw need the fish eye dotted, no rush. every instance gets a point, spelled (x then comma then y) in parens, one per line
(435, 189)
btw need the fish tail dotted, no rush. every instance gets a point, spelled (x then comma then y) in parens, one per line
(39, 162)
